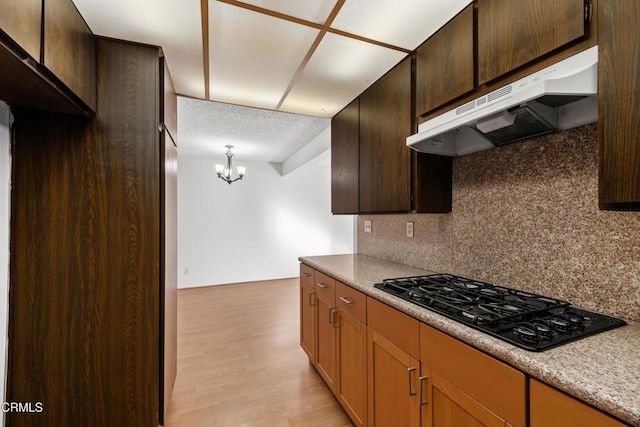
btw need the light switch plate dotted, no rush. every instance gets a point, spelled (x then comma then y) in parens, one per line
(409, 228)
(367, 226)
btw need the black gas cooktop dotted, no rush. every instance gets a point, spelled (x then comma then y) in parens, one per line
(529, 321)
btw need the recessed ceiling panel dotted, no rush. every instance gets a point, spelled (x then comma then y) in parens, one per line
(205, 127)
(406, 24)
(340, 69)
(253, 57)
(310, 10)
(174, 25)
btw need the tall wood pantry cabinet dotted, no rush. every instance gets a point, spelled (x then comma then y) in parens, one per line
(93, 251)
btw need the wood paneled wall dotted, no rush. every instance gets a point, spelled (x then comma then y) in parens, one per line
(84, 297)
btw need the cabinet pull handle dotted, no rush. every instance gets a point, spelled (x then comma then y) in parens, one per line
(588, 12)
(305, 275)
(410, 371)
(346, 300)
(332, 316)
(423, 402)
(335, 319)
(322, 285)
(312, 299)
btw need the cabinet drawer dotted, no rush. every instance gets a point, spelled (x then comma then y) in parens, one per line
(325, 288)
(498, 387)
(398, 328)
(351, 301)
(306, 275)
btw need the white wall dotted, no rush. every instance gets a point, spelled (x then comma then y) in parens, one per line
(254, 229)
(4, 240)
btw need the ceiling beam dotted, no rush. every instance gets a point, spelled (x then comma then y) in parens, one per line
(322, 27)
(312, 49)
(204, 16)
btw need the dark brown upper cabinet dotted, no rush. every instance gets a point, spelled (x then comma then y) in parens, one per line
(21, 20)
(444, 63)
(619, 105)
(433, 183)
(69, 49)
(385, 160)
(512, 33)
(345, 136)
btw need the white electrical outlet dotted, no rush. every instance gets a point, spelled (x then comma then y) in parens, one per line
(409, 228)
(367, 226)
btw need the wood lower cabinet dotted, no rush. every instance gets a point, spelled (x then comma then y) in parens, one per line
(394, 370)
(467, 387)
(552, 408)
(351, 389)
(326, 329)
(445, 405)
(308, 313)
(393, 384)
(388, 369)
(333, 334)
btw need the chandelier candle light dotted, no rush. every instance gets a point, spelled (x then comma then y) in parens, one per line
(225, 171)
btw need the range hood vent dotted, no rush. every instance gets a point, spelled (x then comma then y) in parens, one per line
(559, 97)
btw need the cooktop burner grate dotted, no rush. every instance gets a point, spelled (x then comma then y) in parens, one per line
(527, 320)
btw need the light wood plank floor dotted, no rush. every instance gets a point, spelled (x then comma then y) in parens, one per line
(240, 363)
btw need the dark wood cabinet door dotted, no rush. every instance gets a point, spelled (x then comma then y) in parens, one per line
(433, 183)
(444, 64)
(619, 105)
(22, 21)
(69, 49)
(344, 159)
(512, 33)
(385, 161)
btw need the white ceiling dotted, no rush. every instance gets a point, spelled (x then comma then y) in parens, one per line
(256, 134)
(309, 57)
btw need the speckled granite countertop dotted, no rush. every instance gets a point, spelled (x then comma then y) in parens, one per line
(603, 370)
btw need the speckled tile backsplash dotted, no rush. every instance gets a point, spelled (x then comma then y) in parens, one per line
(526, 216)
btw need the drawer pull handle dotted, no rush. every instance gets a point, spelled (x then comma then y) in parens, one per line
(322, 285)
(346, 300)
(423, 401)
(410, 371)
(305, 275)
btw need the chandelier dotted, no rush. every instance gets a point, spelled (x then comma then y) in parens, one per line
(225, 171)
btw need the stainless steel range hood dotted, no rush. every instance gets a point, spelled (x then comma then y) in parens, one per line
(561, 96)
